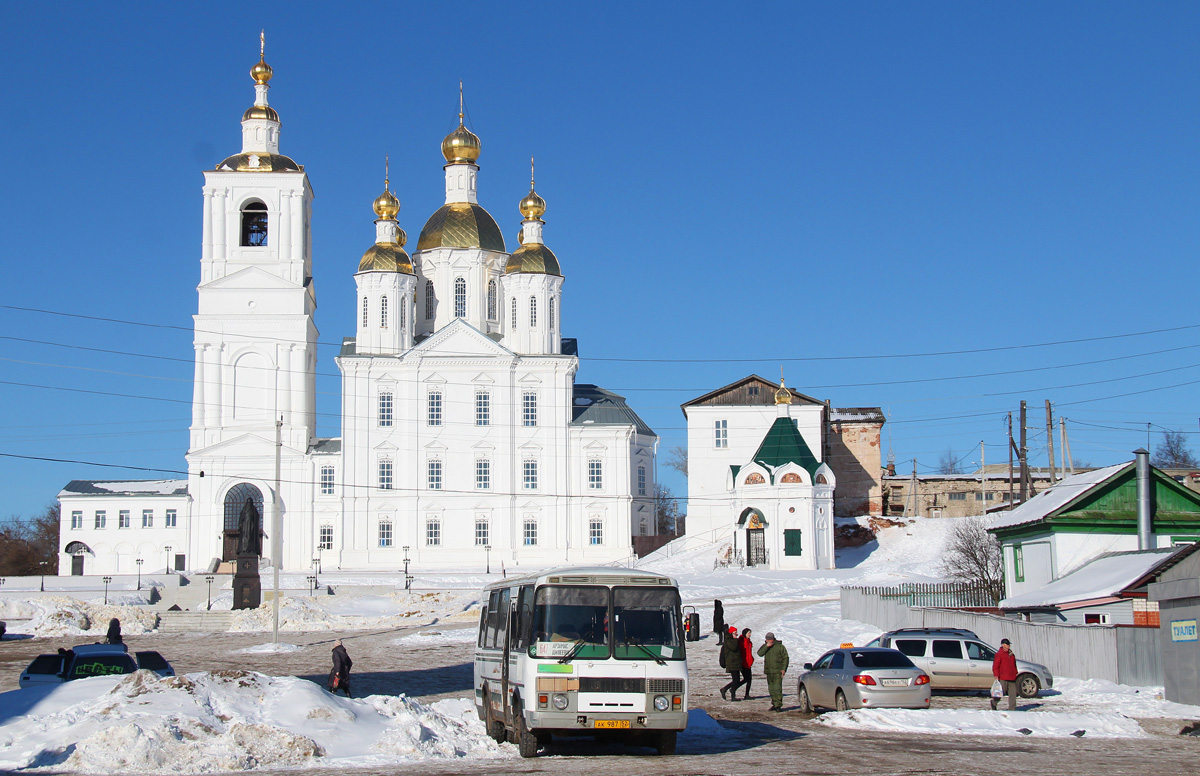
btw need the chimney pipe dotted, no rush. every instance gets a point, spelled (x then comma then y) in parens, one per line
(1144, 505)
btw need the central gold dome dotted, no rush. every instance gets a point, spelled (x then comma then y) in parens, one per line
(461, 146)
(461, 225)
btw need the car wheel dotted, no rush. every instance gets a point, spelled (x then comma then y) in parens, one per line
(841, 701)
(802, 700)
(1028, 686)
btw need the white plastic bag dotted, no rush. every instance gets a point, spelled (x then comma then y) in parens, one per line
(997, 690)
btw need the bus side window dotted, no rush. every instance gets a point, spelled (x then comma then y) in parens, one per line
(493, 611)
(483, 624)
(502, 607)
(520, 639)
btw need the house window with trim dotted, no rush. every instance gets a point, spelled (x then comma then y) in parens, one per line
(529, 474)
(434, 416)
(532, 311)
(721, 433)
(326, 480)
(123, 518)
(383, 312)
(385, 533)
(429, 300)
(529, 532)
(514, 313)
(433, 532)
(325, 537)
(483, 474)
(385, 409)
(460, 298)
(147, 518)
(172, 518)
(491, 299)
(595, 531)
(956, 497)
(76, 520)
(435, 474)
(101, 518)
(483, 408)
(1018, 563)
(529, 409)
(482, 532)
(385, 474)
(641, 480)
(366, 313)
(595, 474)
(254, 225)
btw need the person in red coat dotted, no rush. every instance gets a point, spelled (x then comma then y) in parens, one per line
(1004, 668)
(747, 660)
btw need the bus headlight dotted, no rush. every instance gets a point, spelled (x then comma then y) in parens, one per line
(661, 703)
(560, 701)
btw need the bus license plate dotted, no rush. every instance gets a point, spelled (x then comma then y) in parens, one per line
(611, 723)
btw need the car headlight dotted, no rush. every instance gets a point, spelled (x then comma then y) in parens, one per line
(661, 703)
(560, 701)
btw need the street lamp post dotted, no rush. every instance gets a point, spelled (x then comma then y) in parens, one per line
(167, 550)
(139, 562)
(312, 584)
(42, 564)
(407, 576)
(106, 581)
(209, 580)
(487, 554)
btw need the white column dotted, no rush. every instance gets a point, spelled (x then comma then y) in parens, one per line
(220, 252)
(223, 387)
(206, 249)
(285, 383)
(296, 202)
(285, 227)
(198, 398)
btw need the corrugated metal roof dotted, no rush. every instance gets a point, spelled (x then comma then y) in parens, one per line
(1106, 576)
(326, 446)
(857, 415)
(1055, 498)
(125, 488)
(594, 405)
(784, 444)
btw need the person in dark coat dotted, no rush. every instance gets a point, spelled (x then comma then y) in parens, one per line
(339, 677)
(731, 658)
(747, 661)
(114, 632)
(718, 617)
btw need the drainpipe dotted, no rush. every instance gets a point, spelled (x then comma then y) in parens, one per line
(1144, 511)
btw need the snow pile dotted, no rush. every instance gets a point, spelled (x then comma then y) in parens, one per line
(986, 723)
(458, 636)
(270, 649)
(1095, 694)
(226, 721)
(368, 612)
(63, 616)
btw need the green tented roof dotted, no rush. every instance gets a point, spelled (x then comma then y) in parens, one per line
(784, 444)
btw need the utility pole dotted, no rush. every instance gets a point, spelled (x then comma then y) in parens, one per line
(912, 494)
(1022, 454)
(1068, 462)
(983, 482)
(276, 537)
(1050, 441)
(1011, 445)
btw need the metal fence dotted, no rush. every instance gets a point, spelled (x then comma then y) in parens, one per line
(1119, 654)
(949, 594)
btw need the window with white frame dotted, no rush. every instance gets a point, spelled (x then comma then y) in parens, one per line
(435, 474)
(326, 480)
(514, 314)
(595, 474)
(402, 317)
(482, 532)
(429, 300)
(721, 433)
(383, 312)
(123, 518)
(483, 474)
(325, 537)
(434, 414)
(385, 474)
(77, 520)
(532, 311)
(385, 409)
(385, 533)
(483, 407)
(641, 480)
(595, 531)
(550, 316)
(460, 298)
(101, 518)
(529, 408)
(365, 313)
(172, 518)
(529, 532)
(433, 532)
(491, 302)
(147, 518)
(529, 474)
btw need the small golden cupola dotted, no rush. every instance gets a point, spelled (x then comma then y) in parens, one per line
(783, 395)
(533, 256)
(387, 254)
(260, 127)
(462, 145)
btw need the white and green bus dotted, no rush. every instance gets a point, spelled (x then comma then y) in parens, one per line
(582, 651)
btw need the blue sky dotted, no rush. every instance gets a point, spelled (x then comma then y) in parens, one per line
(839, 189)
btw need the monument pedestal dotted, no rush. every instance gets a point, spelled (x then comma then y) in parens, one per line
(247, 587)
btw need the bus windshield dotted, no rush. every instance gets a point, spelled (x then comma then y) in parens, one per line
(570, 620)
(647, 624)
(628, 623)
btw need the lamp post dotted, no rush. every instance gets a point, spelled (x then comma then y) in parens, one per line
(209, 580)
(312, 584)
(106, 581)
(487, 554)
(167, 550)
(42, 564)
(139, 563)
(407, 576)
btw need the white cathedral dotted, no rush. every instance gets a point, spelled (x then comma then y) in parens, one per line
(465, 438)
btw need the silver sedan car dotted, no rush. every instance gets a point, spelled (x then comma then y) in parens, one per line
(863, 678)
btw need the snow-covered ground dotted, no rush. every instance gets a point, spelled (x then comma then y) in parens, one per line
(211, 721)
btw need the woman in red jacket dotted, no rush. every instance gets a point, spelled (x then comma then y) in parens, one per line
(1004, 668)
(747, 660)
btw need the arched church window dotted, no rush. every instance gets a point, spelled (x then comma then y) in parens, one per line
(791, 477)
(254, 224)
(514, 314)
(383, 312)
(460, 298)
(755, 479)
(402, 317)
(492, 299)
(821, 480)
(365, 309)
(532, 311)
(429, 300)
(235, 501)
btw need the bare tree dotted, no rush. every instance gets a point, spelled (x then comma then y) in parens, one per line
(948, 463)
(30, 546)
(1173, 452)
(972, 556)
(677, 459)
(666, 511)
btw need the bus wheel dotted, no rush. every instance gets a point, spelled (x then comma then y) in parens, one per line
(527, 742)
(664, 742)
(495, 730)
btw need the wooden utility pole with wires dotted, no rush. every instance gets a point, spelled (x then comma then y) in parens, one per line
(1023, 458)
(1050, 441)
(1011, 445)
(1066, 447)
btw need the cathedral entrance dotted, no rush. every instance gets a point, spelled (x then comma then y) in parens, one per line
(77, 551)
(235, 499)
(756, 536)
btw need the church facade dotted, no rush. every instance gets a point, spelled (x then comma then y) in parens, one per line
(465, 439)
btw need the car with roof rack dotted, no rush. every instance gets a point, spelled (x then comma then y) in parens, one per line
(957, 659)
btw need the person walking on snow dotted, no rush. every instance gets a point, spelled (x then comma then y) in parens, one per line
(747, 661)
(339, 677)
(775, 665)
(114, 632)
(1004, 668)
(731, 660)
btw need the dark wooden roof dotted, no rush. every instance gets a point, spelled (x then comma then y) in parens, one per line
(739, 394)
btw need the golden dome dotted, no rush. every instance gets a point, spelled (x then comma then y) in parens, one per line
(253, 162)
(260, 112)
(461, 146)
(387, 257)
(533, 258)
(461, 225)
(532, 206)
(386, 205)
(261, 72)
(783, 395)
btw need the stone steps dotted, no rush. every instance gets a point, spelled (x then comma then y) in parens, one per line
(194, 622)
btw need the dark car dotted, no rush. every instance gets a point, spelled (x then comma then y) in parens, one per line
(88, 660)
